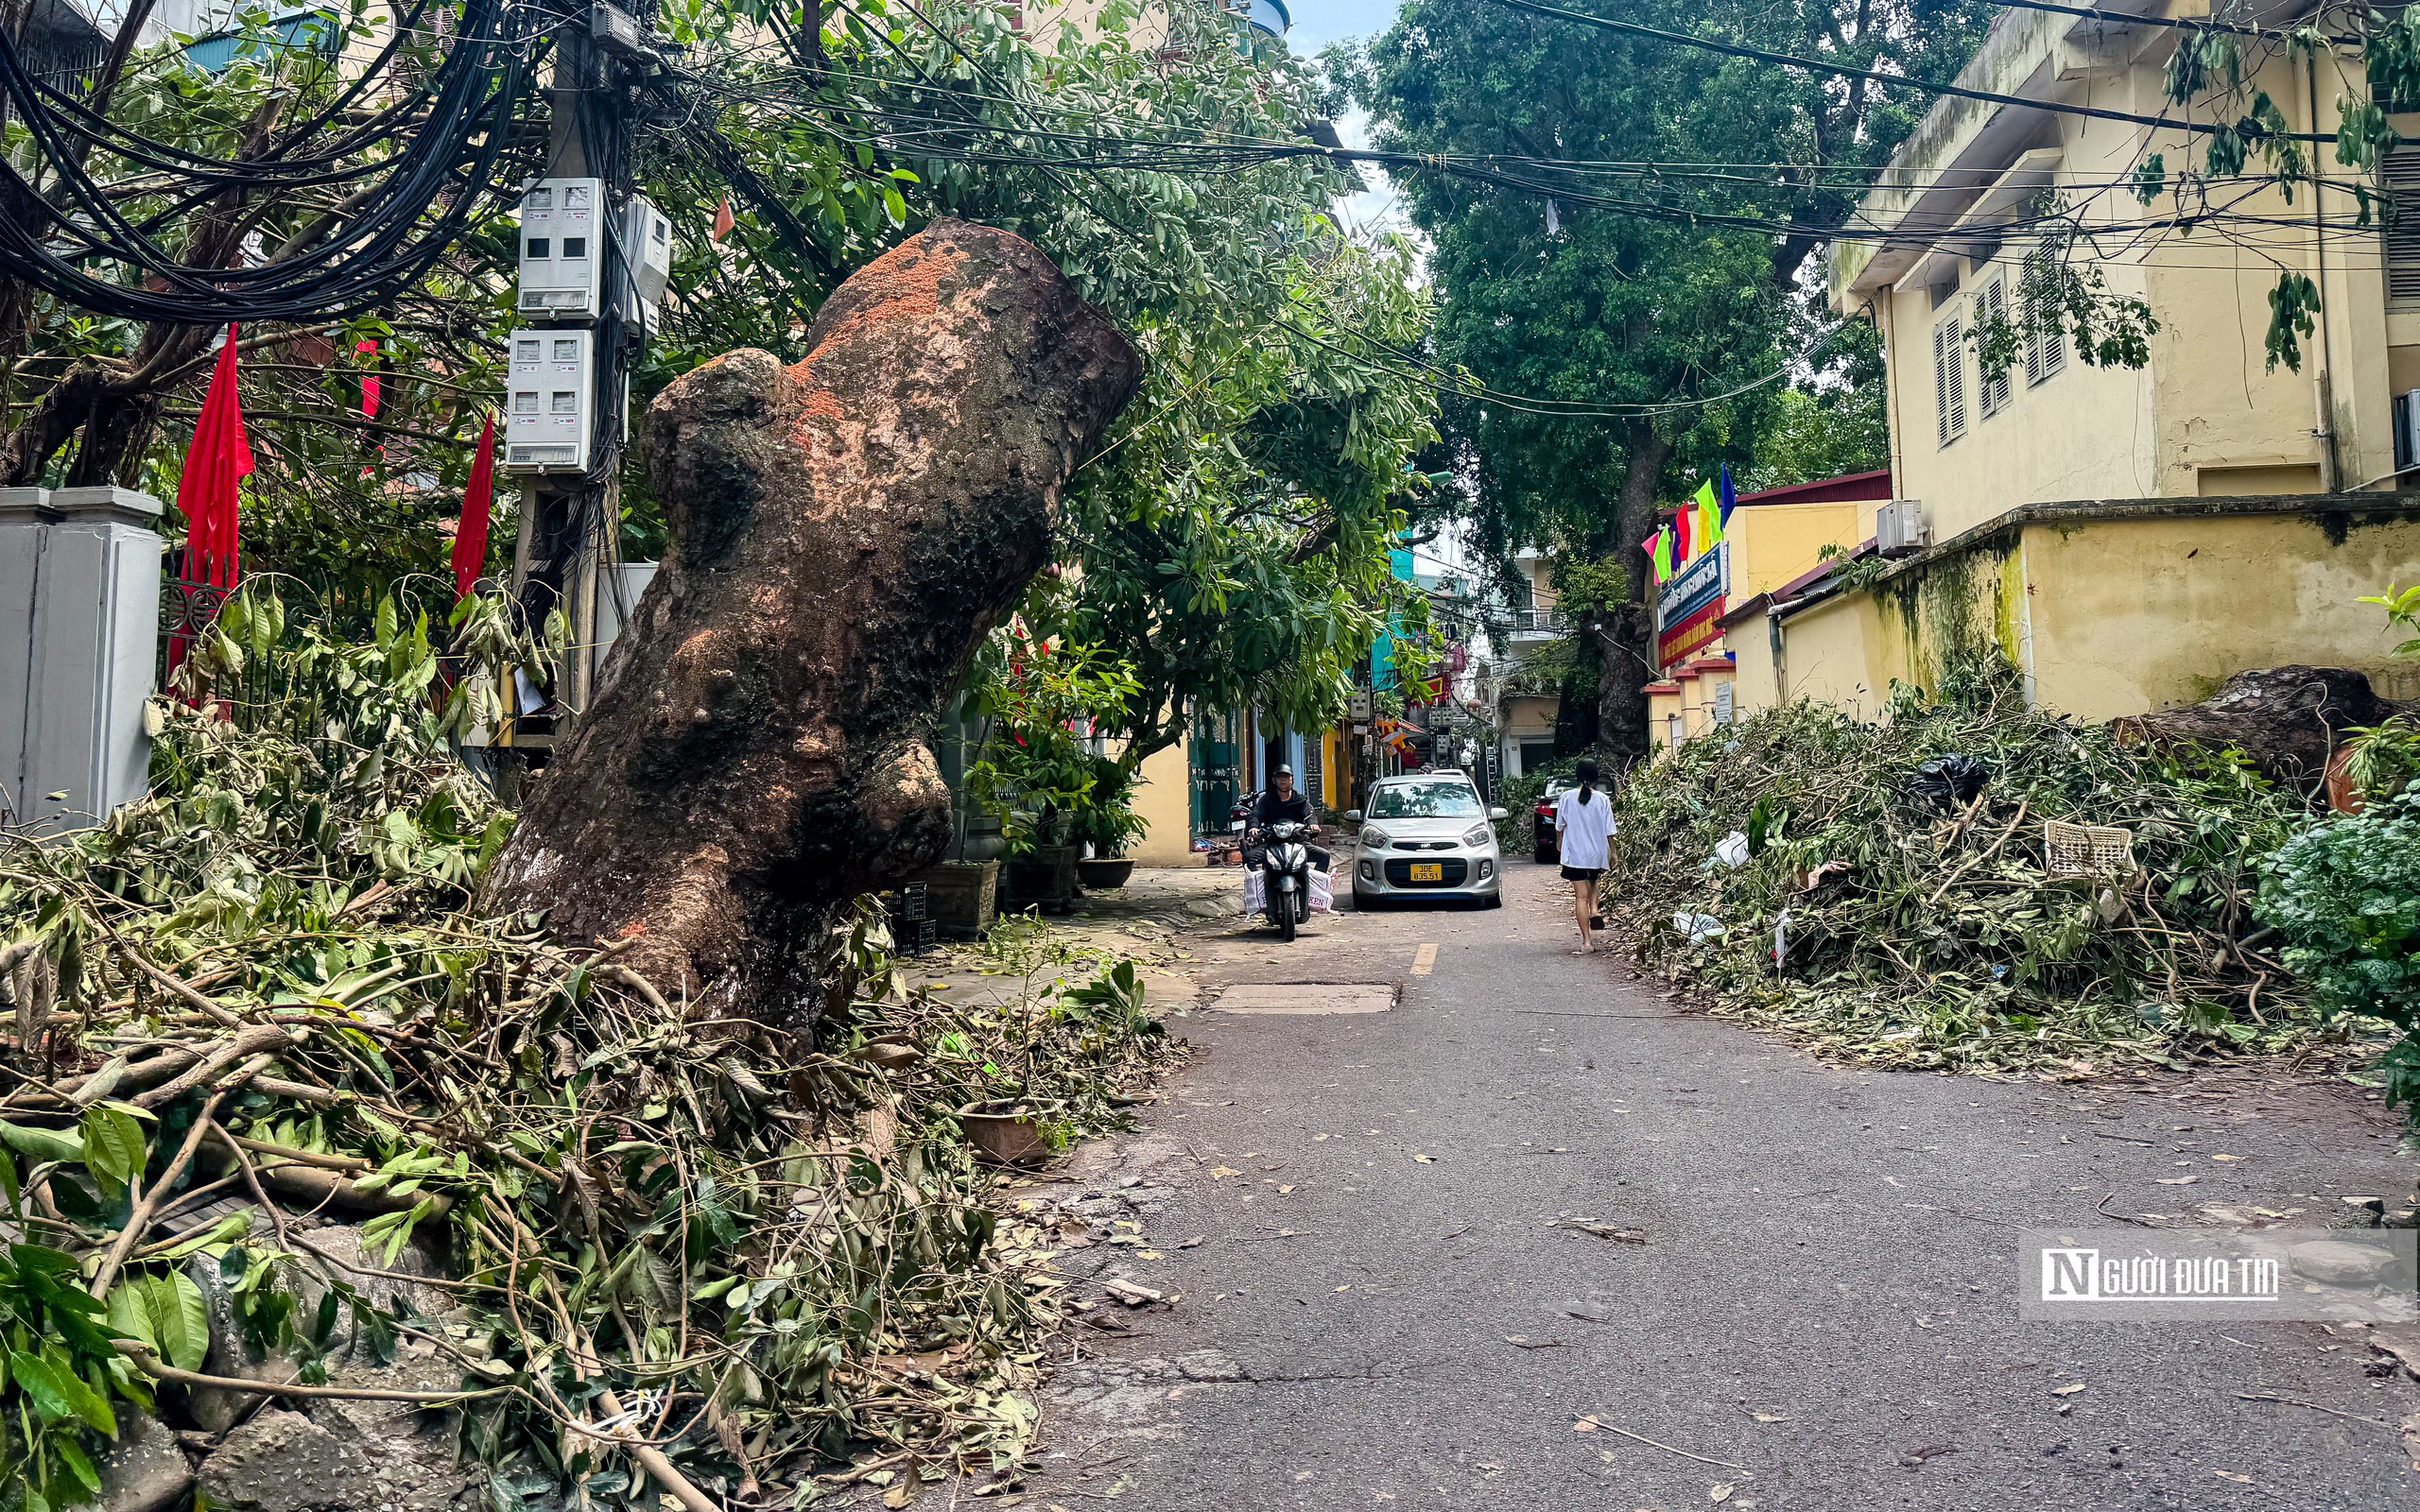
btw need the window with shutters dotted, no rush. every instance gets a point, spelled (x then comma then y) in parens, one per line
(1949, 380)
(1992, 391)
(2399, 176)
(2046, 340)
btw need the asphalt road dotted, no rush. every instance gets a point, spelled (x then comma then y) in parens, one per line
(1361, 1213)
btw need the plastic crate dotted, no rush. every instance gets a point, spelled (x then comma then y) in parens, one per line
(2086, 850)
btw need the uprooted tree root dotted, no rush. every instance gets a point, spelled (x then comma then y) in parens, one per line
(1910, 932)
(688, 1257)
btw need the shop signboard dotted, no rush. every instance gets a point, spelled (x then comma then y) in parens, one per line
(1676, 644)
(1689, 606)
(1697, 584)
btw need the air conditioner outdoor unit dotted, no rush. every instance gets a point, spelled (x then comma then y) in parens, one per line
(563, 250)
(547, 407)
(1900, 528)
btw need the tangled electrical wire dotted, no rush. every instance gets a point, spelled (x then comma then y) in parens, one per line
(397, 217)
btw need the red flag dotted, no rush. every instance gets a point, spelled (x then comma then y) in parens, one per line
(471, 535)
(724, 221)
(218, 459)
(1681, 542)
(369, 380)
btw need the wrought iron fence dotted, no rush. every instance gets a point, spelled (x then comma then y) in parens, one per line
(247, 695)
(187, 610)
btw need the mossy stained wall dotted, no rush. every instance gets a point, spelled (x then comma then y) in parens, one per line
(2110, 617)
(2132, 615)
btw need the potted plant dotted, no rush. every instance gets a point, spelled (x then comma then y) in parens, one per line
(1106, 825)
(1008, 1129)
(1037, 787)
(1034, 772)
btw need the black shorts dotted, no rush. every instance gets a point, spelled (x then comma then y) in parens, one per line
(1582, 874)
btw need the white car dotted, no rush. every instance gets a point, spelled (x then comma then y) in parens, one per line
(1427, 835)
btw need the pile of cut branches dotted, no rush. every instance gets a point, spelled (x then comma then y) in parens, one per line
(685, 1257)
(1908, 923)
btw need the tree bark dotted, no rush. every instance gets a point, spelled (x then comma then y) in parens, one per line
(2287, 721)
(1575, 712)
(1626, 641)
(844, 534)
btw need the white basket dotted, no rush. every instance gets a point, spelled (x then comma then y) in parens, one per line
(2086, 850)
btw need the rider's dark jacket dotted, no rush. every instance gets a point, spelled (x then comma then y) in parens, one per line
(1270, 809)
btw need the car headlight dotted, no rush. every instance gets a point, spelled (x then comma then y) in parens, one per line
(1478, 835)
(1374, 838)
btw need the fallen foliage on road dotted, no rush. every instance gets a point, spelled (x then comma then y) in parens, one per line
(691, 1259)
(1913, 915)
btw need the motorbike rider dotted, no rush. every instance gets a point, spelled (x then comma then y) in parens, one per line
(1281, 805)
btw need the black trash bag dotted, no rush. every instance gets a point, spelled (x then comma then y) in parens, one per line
(1946, 783)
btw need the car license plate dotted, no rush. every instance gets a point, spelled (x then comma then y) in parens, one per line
(1428, 872)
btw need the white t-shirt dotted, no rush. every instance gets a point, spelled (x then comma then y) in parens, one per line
(1585, 828)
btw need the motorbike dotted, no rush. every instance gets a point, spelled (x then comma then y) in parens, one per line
(1286, 874)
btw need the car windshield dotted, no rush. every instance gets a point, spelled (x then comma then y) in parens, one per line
(1423, 800)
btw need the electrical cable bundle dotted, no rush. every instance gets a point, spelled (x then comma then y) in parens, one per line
(382, 239)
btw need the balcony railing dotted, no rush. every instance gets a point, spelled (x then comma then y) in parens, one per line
(1538, 622)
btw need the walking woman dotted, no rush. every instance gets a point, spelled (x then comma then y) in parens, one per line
(1583, 822)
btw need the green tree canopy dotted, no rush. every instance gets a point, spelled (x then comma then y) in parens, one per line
(1230, 542)
(1634, 296)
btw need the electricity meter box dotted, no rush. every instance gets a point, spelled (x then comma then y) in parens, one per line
(564, 227)
(647, 241)
(547, 408)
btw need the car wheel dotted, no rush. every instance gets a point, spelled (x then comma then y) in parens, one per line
(1367, 903)
(1543, 856)
(1495, 900)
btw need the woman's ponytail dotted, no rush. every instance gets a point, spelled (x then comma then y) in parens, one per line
(1586, 771)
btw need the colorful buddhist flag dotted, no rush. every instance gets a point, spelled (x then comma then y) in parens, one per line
(471, 535)
(724, 220)
(1706, 528)
(1729, 496)
(1661, 553)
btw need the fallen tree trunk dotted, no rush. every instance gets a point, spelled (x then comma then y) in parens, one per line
(844, 533)
(2285, 720)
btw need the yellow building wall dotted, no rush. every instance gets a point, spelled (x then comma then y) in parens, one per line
(1164, 798)
(1539, 572)
(1708, 688)
(1661, 706)
(1772, 544)
(1529, 716)
(2209, 415)
(2112, 617)
(1753, 686)
(2137, 615)
(1838, 653)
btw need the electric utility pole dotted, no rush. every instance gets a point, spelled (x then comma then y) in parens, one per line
(594, 262)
